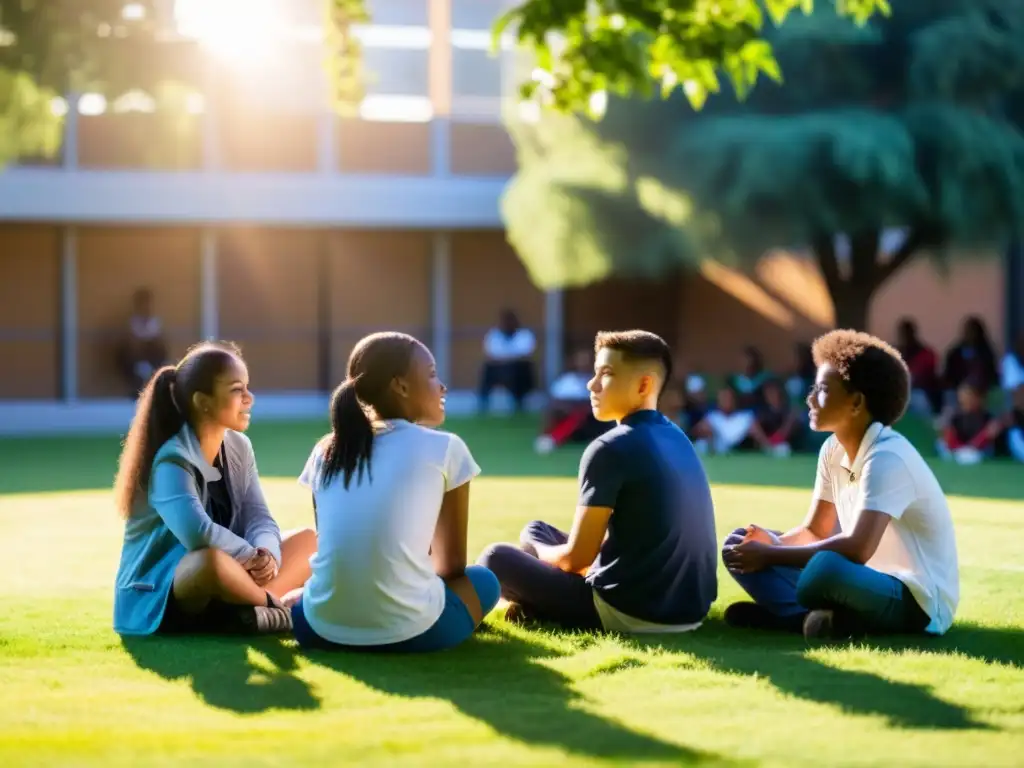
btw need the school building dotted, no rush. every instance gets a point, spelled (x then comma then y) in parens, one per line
(256, 214)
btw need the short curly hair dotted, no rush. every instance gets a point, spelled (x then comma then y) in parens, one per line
(870, 366)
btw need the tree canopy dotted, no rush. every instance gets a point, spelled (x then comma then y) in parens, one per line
(910, 121)
(52, 47)
(584, 51)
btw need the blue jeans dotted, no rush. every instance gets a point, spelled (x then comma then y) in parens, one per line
(452, 628)
(879, 602)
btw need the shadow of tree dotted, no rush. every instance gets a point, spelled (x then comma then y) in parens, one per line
(781, 659)
(223, 675)
(499, 679)
(992, 645)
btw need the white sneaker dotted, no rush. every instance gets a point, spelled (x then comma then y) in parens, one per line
(544, 445)
(968, 456)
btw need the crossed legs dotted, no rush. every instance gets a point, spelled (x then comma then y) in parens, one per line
(538, 590)
(859, 599)
(208, 575)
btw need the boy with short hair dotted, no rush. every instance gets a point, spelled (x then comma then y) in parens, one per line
(642, 552)
(877, 552)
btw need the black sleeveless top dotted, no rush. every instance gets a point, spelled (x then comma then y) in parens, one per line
(218, 501)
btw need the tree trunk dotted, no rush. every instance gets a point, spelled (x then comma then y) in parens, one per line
(851, 306)
(851, 295)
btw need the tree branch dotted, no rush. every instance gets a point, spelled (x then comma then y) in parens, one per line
(913, 243)
(864, 247)
(824, 247)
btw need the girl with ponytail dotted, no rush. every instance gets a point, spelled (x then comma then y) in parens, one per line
(391, 497)
(201, 550)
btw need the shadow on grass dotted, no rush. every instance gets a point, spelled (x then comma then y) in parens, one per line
(781, 659)
(992, 645)
(223, 675)
(500, 679)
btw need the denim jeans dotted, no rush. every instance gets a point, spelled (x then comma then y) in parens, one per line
(881, 603)
(453, 627)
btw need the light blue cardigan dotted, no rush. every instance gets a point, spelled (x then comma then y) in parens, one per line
(172, 521)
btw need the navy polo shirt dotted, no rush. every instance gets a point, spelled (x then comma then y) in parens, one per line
(660, 560)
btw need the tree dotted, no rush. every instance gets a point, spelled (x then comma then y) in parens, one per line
(584, 51)
(51, 47)
(905, 122)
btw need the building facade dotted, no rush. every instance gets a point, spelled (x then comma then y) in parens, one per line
(257, 214)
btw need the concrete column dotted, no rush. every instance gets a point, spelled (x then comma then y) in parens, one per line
(554, 335)
(327, 142)
(210, 133)
(209, 306)
(440, 302)
(69, 160)
(69, 315)
(440, 78)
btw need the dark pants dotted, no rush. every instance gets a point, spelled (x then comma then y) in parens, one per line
(545, 593)
(875, 601)
(515, 375)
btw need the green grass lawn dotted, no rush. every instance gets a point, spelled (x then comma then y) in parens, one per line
(74, 693)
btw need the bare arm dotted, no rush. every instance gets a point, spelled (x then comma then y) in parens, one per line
(857, 545)
(589, 530)
(821, 522)
(448, 550)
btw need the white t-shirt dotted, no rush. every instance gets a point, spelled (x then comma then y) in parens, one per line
(918, 547)
(373, 581)
(498, 346)
(571, 386)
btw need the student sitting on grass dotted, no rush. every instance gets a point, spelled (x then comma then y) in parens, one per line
(877, 553)
(641, 556)
(775, 428)
(391, 499)
(201, 551)
(725, 428)
(970, 432)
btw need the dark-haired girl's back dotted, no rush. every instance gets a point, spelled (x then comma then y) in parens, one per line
(373, 580)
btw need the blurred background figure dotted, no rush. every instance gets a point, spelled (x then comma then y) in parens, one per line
(923, 362)
(143, 349)
(1015, 425)
(569, 418)
(508, 361)
(748, 382)
(972, 359)
(726, 428)
(801, 375)
(1012, 368)
(970, 431)
(776, 427)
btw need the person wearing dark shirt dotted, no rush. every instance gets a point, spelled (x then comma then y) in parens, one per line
(641, 555)
(970, 432)
(972, 359)
(775, 426)
(923, 364)
(749, 382)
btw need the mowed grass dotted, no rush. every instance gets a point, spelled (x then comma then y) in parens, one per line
(74, 693)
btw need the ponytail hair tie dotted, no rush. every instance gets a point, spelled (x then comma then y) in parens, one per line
(174, 396)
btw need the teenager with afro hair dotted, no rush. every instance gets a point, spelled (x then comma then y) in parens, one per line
(877, 552)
